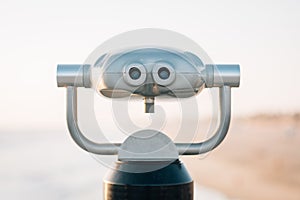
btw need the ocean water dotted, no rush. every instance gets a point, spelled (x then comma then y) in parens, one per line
(48, 165)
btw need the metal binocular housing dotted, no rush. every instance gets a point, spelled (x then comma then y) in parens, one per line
(150, 72)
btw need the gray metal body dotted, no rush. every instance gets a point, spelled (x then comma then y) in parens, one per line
(189, 76)
(185, 77)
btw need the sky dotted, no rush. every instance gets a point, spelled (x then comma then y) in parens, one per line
(261, 36)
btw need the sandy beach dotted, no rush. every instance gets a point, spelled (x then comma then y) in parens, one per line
(259, 159)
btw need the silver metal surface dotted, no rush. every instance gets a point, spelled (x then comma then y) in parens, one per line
(78, 136)
(73, 75)
(183, 148)
(149, 104)
(148, 145)
(220, 133)
(220, 75)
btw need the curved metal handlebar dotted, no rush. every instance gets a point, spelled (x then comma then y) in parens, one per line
(219, 134)
(76, 134)
(183, 148)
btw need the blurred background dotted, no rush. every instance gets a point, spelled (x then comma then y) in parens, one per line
(260, 158)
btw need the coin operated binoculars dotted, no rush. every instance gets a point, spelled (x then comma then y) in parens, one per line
(148, 165)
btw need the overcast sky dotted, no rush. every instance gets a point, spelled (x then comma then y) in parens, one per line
(262, 36)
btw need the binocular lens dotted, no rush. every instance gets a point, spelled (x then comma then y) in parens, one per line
(135, 73)
(164, 73)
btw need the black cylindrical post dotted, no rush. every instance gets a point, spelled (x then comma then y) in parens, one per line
(172, 181)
